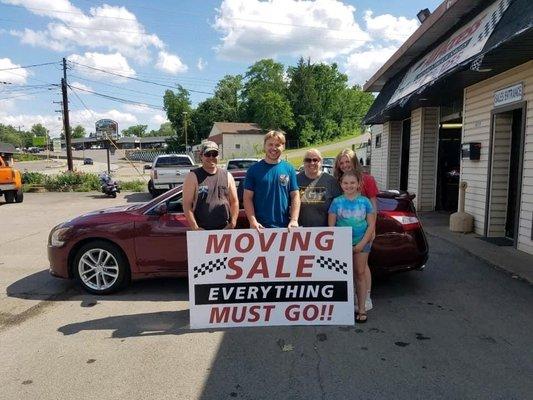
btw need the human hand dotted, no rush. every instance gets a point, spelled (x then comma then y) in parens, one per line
(358, 248)
(257, 226)
(292, 224)
(230, 225)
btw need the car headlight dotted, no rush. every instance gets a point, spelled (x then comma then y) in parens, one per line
(57, 238)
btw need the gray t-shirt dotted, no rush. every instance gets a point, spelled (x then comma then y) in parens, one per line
(316, 199)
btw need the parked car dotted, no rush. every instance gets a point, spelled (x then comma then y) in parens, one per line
(10, 183)
(88, 161)
(168, 171)
(105, 249)
(240, 163)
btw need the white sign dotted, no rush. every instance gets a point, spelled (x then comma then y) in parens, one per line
(56, 144)
(461, 46)
(276, 277)
(508, 95)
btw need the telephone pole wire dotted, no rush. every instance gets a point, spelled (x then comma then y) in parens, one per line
(66, 122)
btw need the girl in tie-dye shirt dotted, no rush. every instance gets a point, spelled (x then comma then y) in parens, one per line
(354, 210)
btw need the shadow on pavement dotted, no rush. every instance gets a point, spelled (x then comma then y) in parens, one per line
(42, 286)
(138, 197)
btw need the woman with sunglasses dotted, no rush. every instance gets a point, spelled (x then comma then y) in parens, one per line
(317, 190)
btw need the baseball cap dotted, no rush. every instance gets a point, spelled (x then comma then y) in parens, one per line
(209, 146)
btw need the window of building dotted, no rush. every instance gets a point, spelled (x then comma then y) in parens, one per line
(237, 146)
(378, 140)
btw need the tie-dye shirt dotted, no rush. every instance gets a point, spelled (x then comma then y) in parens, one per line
(352, 213)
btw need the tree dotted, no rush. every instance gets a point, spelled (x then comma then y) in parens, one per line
(176, 103)
(39, 130)
(78, 132)
(165, 129)
(265, 96)
(227, 92)
(9, 134)
(135, 130)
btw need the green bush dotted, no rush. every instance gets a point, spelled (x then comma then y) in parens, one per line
(35, 178)
(133, 186)
(72, 182)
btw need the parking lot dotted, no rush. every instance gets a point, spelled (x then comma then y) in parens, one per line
(460, 329)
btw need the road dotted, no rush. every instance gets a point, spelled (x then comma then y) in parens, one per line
(458, 330)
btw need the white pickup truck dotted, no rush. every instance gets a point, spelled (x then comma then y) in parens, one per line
(168, 171)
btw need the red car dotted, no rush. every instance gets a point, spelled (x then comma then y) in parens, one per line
(105, 249)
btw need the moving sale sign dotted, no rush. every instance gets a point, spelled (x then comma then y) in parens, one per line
(272, 277)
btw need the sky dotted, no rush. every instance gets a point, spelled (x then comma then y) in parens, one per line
(162, 43)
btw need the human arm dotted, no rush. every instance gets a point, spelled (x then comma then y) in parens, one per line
(233, 203)
(190, 187)
(295, 209)
(248, 200)
(332, 219)
(370, 230)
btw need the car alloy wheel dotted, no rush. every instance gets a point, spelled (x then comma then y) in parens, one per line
(101, 267)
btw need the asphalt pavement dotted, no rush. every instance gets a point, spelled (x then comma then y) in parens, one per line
(460, 329)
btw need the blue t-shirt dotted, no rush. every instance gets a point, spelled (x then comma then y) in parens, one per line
(352, 213)
(272, 185)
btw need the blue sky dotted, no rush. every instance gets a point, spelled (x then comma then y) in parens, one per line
(193, 43)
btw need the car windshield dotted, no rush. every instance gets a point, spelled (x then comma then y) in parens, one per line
(240, 164)
(175, 161)
(328, 161)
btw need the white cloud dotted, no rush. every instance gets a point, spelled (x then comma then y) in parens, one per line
(389, 27)
(321, 29)
(363, 64)
(170, 63)
(16, 76)
(26, 121)
(115, 63)
(113, 28)
(159, 119)
(201, 64)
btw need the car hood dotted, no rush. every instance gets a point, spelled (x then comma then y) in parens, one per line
(106, 212)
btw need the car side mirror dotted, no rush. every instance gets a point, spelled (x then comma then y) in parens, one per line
(147, 166)
(161, 209)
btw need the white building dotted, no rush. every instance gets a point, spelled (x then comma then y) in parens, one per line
(456, 104)
(237, 139)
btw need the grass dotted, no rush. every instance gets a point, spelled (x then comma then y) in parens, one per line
(26, 157)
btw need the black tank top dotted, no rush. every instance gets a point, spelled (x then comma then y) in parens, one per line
(212, 201)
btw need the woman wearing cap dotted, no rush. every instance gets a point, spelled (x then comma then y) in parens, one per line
(317, 190)
(345, 161)
(209, 194)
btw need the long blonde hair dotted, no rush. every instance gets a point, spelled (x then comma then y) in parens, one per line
(337, 173)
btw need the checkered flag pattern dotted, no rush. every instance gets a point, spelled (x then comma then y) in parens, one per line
(332, 264)
(210, 266)
(494, 19)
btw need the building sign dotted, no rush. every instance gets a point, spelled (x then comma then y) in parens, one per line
(276, 277)
(56, 145)
(38, 141)
(106, 129)
(462, 45)
(508, 95)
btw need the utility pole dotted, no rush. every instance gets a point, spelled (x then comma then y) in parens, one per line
(185, 129)
(66, 122)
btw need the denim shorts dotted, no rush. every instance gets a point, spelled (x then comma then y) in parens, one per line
(367, 248)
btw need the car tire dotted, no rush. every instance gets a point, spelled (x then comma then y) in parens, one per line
(110, 266)
(114, 195)
(10, 196)
(19, 196)
(153, 191)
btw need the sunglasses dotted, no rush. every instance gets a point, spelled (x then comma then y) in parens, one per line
(211, 154)
(309, 160)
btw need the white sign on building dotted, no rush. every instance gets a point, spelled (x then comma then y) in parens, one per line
(462, 45)
(56, 145)
(509, 95)
(276, 277)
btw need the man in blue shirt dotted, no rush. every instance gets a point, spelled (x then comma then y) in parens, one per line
(271, 197)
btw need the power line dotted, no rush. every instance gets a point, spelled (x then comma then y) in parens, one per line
(118, 99)
(29, 66)
(139, 80)
(117, 87)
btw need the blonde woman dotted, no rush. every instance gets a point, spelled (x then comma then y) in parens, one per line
(345, 161)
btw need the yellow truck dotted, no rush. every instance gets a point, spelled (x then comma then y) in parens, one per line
(10, 183)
